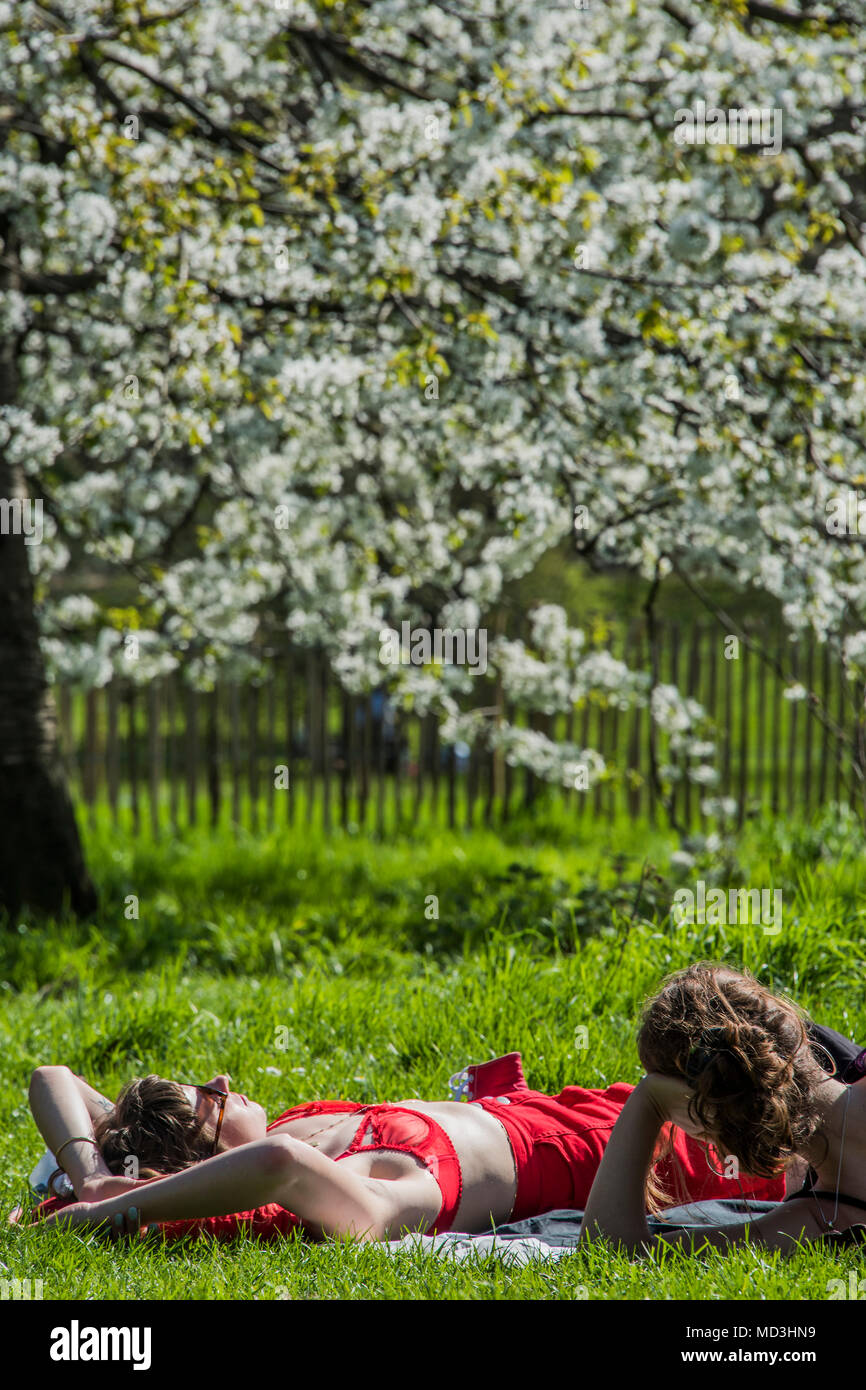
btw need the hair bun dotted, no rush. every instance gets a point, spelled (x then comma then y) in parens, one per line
(705, 1051)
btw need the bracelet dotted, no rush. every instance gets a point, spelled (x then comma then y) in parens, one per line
(76, 1139)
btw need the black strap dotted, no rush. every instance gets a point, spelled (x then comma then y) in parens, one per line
(807, 1191)
(853, 1235)
(849, 1060)
(843, 1197)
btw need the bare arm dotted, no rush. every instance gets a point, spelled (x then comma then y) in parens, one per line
(63, 1105)
(615, 1209)
(325, 1195)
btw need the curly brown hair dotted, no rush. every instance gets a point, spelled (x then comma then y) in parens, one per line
(746, 1054)
(152, 1122)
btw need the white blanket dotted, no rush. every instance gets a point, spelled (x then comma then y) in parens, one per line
(513, 1250)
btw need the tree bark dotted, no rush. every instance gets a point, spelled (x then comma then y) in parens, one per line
(41, 860)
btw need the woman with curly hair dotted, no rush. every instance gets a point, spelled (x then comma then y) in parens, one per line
(731, 1064)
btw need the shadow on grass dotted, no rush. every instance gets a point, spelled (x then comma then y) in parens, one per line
(253, 906)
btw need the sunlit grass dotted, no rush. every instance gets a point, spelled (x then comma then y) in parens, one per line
(311, 968)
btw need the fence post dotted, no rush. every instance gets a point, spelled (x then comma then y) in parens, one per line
(792, 734)
(324, 734)
(112, 752)
(398, 758)
(345, 759)
(743, 750)
(825, 741)
(693, 681)
(366, 757)
(762, 730)
(841, 720)
(777, 727)
(153, 754)
(729, 724)
(452, 787)
(352, 782)
(290, 732)
(235, 724)
(380, 775)
(471, 784)
(632, 656)
(677, 789)
(809, 718)
(613, 738)
(422, 728)
(311, 736)
(435, 748)
(171, 714)
(213, 756)
(253, 754)
(272, 748)
(191, 756)
(132, 753)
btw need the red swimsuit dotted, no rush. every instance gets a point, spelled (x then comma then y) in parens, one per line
(405, 1131)
(388, 1127)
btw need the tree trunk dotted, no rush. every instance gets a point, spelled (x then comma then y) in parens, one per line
(41, 861)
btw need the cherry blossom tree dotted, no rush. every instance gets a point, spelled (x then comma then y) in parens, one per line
(330, 314)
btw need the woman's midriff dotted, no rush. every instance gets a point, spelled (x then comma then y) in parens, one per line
(479, 1139)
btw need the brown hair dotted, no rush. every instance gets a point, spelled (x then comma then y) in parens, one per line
(154, 1123)
(745, 1053)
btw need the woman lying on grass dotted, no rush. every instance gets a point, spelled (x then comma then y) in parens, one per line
(337, 1167)
(730, 1064)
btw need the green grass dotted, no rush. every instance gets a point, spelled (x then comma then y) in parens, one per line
(242, 944)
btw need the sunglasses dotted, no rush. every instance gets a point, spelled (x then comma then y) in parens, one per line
(222, 1097)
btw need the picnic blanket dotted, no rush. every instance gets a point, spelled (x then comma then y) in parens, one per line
(555, 1235)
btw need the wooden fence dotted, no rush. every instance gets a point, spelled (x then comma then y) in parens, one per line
(298, 750)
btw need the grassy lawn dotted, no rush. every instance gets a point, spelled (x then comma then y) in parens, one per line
(309, 969)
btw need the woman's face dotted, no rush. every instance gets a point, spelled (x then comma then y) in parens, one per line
(243, 1119)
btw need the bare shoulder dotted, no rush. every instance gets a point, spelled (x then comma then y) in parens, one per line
(795, 1175)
